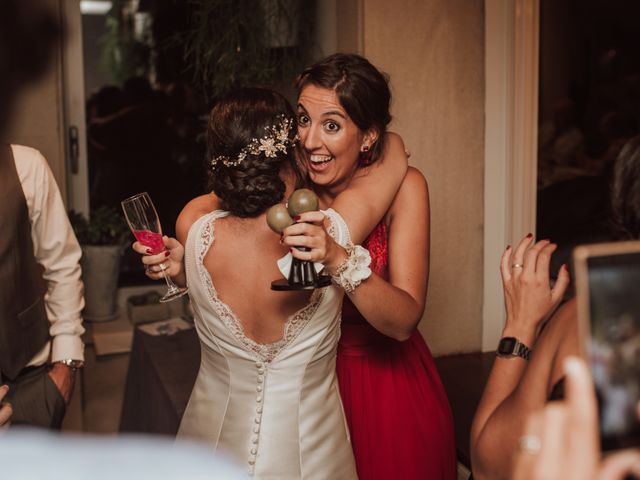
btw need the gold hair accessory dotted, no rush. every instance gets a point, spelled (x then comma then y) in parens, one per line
(276, 140)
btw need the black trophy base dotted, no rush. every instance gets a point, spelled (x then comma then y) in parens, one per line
(283, 285)
(302, 276)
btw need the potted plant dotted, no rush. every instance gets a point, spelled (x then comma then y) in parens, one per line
(102, 239)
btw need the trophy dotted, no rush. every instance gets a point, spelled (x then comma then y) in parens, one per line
(302, 275)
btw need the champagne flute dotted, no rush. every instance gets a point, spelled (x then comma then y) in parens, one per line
(145, 225)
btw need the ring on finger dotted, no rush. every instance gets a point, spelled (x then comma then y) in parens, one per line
(517, 265)
(530, 444)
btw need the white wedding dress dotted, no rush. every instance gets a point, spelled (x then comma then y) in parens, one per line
(274, 407)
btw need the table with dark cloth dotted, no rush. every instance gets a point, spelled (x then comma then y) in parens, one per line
(162, 371)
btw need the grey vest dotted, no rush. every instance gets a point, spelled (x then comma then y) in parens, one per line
(24, 328)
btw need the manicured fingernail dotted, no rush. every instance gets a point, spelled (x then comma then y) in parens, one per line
(296, 218)
(167, 253)
(291, 250)
(149, 251)
(565, 268)
(508, 247)
(529, 235)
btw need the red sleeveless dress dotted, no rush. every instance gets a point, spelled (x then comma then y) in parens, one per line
(398, 412)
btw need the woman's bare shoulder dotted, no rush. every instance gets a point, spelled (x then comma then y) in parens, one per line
(564, 337)
(192, 211)
(565, 319)
(394, 140)
(414, 179)
(413, 191)
(410, 210)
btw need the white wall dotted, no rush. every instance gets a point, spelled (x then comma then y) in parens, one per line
(434, 53)
(38, 117)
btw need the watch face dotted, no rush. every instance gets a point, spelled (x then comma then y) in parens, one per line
(506, 346)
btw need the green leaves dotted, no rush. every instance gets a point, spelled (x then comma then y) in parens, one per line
(234, 43)
(106, 227)
(123, 56)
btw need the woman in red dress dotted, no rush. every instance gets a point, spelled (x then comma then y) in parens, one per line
(398, 413)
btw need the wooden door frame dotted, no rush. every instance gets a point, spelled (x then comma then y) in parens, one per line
(511, 109)
(77, 179)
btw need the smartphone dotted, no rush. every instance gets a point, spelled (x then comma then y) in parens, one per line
(608, 294)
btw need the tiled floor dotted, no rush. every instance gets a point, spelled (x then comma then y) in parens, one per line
(104, 392)
(97, 400)
(99, 389)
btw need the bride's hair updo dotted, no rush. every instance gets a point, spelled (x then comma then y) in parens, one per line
(251, 135)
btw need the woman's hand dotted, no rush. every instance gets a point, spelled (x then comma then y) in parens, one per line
(561, 441)
(310, 232)
(529, 297)
(170, 260)
(5, 409)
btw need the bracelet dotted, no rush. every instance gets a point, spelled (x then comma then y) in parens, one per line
(354, 269)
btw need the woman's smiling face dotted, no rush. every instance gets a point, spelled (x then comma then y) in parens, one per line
(330, 138)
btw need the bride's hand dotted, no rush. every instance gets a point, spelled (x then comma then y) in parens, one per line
(310, 232)
(171, 260)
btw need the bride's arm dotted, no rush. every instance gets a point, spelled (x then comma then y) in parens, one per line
(173, 257)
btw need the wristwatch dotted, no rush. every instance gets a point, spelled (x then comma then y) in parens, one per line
(72, 364)
(510, 347)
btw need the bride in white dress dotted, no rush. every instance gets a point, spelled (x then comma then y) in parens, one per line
(274, 404)
(266, 393)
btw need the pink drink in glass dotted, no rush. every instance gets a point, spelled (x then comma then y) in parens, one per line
(150, 239)
(145, 226)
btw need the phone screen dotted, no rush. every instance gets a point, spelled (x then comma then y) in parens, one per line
(614, 345)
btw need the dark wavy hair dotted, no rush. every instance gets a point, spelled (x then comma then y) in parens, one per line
(625, 191)
(362, 90)
(252, 186)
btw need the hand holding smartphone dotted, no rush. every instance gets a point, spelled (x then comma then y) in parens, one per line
(608, 293)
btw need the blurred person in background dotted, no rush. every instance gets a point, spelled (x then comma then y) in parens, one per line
(40, 345)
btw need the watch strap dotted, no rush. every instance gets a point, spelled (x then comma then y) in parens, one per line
(71, 363)
(510, 347)
(521, 350)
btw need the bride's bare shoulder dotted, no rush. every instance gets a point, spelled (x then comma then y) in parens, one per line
(192, 211)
